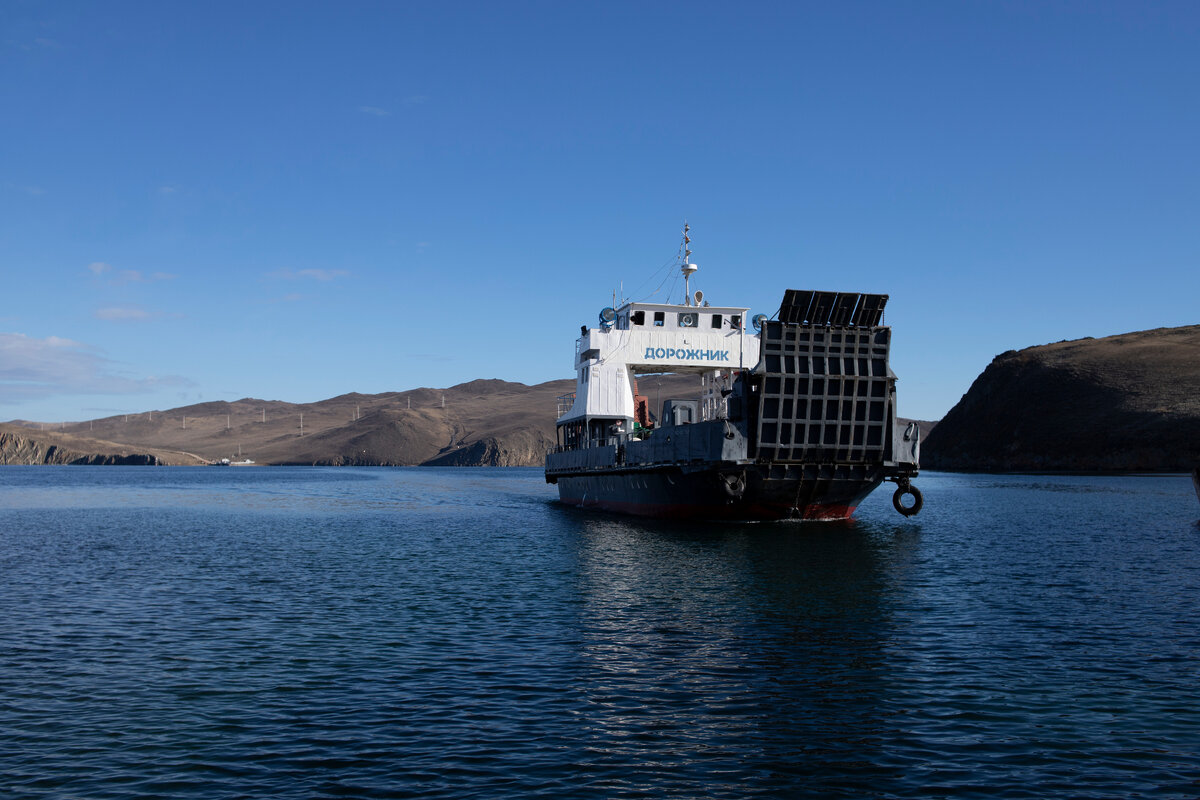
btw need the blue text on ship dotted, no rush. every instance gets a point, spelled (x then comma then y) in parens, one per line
(687, 355)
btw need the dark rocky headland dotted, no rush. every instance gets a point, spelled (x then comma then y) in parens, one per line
(26, 446)
(1121, 403)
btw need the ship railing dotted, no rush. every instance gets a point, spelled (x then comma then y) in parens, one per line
(617, 440)
(705, 441)
(565, 403)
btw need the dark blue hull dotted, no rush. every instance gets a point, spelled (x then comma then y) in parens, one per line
(752, 492)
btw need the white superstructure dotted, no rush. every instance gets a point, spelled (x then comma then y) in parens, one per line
(650, 338)
(640, 338)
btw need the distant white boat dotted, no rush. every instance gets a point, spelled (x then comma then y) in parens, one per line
(225, 462)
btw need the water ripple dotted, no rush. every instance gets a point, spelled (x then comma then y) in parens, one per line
(453, 633)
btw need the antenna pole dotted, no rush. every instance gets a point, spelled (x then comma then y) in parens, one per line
(687, 266)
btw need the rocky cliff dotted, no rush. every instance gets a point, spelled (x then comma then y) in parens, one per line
(25, 447)
(1127, 402)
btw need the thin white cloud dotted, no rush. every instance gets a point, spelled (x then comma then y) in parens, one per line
(29, 189)
(38, 43)
(125, 314)
(58, 341)
(119, 277)
(137, 276)
(375, 111)
(33, 368)
(324, 274)
(315, 274)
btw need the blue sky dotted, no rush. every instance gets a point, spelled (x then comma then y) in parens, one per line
(291, 201)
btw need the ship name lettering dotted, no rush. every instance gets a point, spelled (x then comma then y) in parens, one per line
(687, 355)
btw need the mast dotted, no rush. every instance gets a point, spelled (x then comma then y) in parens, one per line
(688, 267)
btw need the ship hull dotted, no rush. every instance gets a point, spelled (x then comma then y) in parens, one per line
(750, 492)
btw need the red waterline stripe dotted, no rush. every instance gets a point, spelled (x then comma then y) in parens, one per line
(813, 512)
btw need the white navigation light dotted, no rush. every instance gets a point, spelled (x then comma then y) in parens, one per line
(698, 296)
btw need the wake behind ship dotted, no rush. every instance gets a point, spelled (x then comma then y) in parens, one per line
(796, 420)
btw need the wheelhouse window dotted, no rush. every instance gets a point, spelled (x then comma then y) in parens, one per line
(660, 318)
(716, 320)
(638, 318)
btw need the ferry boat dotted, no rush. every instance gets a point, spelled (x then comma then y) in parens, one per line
(794, 418)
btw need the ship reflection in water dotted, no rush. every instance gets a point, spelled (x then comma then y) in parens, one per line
(736, 645)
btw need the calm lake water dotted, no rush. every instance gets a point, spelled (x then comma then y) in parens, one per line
(305, 633)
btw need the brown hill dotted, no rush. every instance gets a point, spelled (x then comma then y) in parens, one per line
(1127, 402)
(483, 422)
